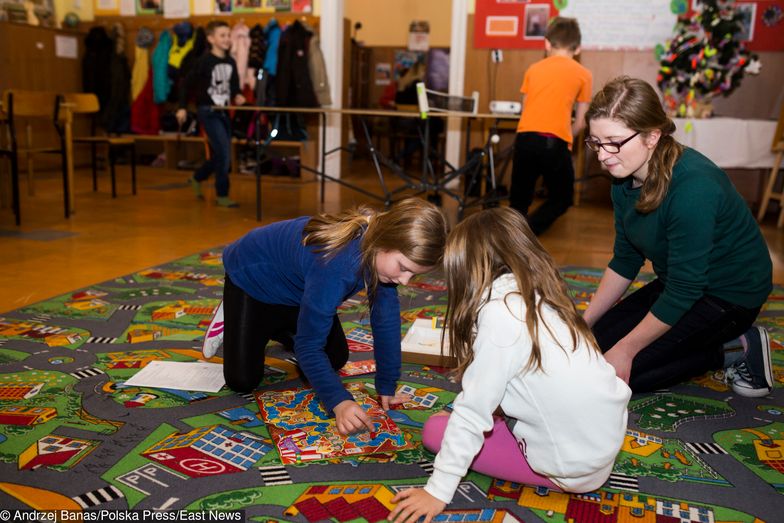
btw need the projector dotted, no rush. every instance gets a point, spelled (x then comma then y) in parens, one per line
(505, 107)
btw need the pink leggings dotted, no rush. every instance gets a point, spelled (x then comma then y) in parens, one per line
(500, 457)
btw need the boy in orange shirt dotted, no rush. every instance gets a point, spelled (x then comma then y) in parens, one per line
(550, 89)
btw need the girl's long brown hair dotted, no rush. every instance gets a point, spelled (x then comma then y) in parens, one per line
(413, 227)
(634, 103)
(485, 246)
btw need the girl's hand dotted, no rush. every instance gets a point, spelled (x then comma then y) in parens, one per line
(622, 362)
(350, 418)
(397, 399)
(239, 100)
(414, 503)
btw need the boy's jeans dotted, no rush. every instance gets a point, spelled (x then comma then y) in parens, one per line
(218, 128)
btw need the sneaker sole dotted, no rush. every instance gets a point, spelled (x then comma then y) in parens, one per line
(768, 366)
(211, 345)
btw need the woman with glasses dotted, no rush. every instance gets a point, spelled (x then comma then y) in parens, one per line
(676, 208)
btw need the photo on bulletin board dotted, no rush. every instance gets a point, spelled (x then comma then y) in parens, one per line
(301, 6)
(149, 7)
(383, 75)
(279, 5)
(748, 16)
(223, 6)
(250, 6)
(535, 21)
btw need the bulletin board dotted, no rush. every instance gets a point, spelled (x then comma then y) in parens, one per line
(612, 24)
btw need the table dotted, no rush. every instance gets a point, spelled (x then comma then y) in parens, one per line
(731, 143)
(427, 183)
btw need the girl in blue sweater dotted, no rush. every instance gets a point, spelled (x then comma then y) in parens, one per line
(288, 279)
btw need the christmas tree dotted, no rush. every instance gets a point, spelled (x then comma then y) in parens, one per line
(705, 58)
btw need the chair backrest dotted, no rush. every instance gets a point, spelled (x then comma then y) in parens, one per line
(82, 103)
(435, 101)
(33, 104)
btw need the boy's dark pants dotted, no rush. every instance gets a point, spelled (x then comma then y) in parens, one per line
(690, 348)
(548, 156)
(248, 326)
(218, 128)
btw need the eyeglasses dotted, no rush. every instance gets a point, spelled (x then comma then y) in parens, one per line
(610, 147)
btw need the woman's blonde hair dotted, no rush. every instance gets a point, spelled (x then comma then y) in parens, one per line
(634, 103)
(413, 227)
(485, 246)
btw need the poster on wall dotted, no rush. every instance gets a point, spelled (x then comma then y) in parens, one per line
(383, 75)
(106, 7)
(635, 24)
(203, 7)
(509, 24)
(301, 6)
(176, 9)
(250, 6)
(149, 7)
(763, 24)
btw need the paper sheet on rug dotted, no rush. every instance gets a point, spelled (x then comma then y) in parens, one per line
(302, 431)
(180, 375)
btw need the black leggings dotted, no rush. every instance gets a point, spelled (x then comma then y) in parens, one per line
(690, 348)
(250, 324)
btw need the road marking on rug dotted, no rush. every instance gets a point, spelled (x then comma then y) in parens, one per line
(130, 307)
(43, 318)
(98, 496)
(623, 482)
(88, 372)
(275, 475)
(706, 448)
(426, 465)
(169, 503)
(101, 339)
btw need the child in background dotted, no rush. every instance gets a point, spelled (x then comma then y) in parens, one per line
(521, 345)
(545, 131)
(286, 280)
(215, 81)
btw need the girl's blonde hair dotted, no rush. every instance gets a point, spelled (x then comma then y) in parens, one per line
(485, 246)
(634, 103)
(413, 227)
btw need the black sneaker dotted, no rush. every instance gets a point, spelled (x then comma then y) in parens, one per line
(753, 375)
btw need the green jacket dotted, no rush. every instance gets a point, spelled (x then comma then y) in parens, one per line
(701, 240)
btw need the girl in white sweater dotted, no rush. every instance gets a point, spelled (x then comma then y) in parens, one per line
(521, 346)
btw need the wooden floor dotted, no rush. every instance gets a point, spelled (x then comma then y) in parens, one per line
(107, 237)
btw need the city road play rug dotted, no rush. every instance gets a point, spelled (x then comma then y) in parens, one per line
(74, 435)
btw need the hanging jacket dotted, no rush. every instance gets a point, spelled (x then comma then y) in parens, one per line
(160, 68)
(294, 86)
(116, 114)
(273, 41)
(318, 69)
(98, 51)
(240, 48)
(145, 114)
(191, 59)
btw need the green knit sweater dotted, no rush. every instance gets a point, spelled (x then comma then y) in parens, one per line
(701, 240)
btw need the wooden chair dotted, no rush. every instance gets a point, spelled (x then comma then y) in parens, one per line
(31, 104)
(778, 148)
(87, 103)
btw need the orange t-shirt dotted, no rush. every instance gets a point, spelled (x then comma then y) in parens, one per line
(551, 88)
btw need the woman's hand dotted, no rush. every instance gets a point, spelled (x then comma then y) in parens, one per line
(622, 362)
(239, 100)
(397, 399)
(350, 418)
(181, 115)
(414, 503)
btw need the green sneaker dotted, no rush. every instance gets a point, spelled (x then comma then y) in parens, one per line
(225, 201)
(196, 186)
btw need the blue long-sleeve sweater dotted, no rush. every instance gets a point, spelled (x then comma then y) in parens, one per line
(272, 266)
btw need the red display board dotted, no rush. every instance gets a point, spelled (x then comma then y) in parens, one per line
(511, 24)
